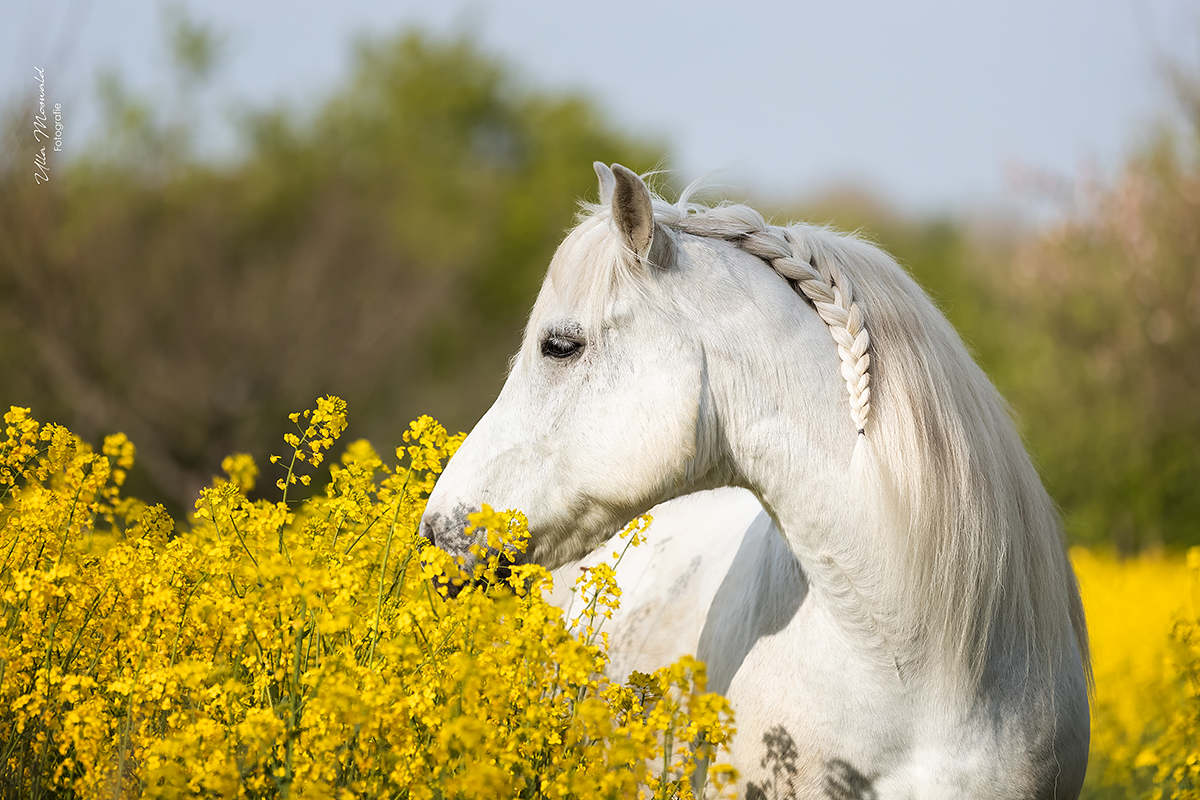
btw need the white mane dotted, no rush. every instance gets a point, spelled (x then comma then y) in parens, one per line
(976, 540)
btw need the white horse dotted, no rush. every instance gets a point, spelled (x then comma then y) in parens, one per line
(907, 623)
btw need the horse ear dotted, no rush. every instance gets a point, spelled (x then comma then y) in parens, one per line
(607, 182)
(632, 210)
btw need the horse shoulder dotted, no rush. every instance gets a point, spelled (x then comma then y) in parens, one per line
(668, 583)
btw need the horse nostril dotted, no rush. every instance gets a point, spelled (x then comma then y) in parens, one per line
(428, 526)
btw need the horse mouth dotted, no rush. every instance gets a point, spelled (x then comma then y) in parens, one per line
(447, 532)
(495, 579)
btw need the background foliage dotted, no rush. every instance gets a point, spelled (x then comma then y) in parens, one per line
(1145, 637)
(400, 229)
(386, 245)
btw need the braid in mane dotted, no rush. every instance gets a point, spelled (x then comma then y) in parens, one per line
(813, 274)
(976, 555)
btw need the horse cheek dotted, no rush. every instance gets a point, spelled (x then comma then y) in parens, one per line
(655, 430)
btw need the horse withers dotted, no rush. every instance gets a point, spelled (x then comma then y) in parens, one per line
(902, 620)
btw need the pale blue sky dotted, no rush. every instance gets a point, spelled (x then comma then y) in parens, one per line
(930, 102)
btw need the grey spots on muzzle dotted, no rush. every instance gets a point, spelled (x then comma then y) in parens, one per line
(448, 531)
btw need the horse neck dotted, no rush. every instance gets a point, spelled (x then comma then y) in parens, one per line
(777, 420)
(790, 437)
(783, 425)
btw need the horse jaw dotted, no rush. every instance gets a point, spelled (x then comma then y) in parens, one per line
(574, 492)
(582, 453)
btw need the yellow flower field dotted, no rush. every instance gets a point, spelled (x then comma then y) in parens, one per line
(275, 649)
(280, 648)
(1146, 657)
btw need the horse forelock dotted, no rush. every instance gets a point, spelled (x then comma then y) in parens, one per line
(582, 275)
(975, 537)
(592, 264)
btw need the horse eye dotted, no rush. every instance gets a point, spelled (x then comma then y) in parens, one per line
(560, 347)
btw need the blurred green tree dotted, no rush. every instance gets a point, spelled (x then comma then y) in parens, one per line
(1101, 362)
(386, 247)
(387, 244)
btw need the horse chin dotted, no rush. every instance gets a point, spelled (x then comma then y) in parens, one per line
(499, 578)
(565, 546)
(555, 536)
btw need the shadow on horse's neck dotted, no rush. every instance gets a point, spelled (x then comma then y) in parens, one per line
(737, 618)
(784, 428)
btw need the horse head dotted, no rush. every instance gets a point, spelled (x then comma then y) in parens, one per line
(634, 362)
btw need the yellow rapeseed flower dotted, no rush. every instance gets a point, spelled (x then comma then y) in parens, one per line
(264, 648)
(1142, 620)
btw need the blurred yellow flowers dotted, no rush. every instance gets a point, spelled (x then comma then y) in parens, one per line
(1146, 656)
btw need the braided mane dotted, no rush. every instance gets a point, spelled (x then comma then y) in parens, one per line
(977, 548)
(812, 273)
